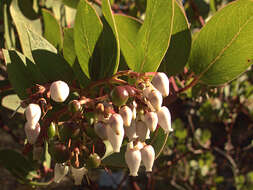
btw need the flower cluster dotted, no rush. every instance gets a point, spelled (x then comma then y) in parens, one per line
(77, 122)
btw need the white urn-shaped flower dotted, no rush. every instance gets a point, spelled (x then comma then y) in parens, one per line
(33, 113)
(148, 157)
(161, 83)
(133, 159)
(59, 91)
(32, 131)
(127, 115)
(60, 171)
(164, 119)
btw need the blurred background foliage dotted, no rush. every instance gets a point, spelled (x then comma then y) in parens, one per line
(211, 146)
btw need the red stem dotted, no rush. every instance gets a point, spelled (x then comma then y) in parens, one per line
(173, 82)
(193, 83)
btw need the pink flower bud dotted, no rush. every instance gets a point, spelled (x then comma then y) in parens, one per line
(32, 131)
(164, 119)
(78, 174)
(148, 157)
(126, 114)
(59, 91)
(155, 99)
(60, 171)
(133, 160)
(33, 113)
(142, 131)
(151, 120)
(100, 130)
(131, 131)
(161, 83)
(116, 123)
(114, 139)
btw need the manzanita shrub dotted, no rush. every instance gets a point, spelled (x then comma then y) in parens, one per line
(93, 82)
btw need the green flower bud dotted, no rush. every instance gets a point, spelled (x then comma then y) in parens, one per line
(119, 96)
(93, 161)
(74, 106)
(51, 131)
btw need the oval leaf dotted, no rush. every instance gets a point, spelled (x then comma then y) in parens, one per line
(111, 61)
(52, 29)
(154, 36)
(70, 55)
(52, 65)
(180, 44)
(87, 31)
(223, 48)
(128, 28)
(18, 73)
(23, 22)
(12, 102)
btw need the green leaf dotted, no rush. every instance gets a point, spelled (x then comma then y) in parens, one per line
(180, 44)
(18, 73)
(12, 102)
(17, 164)
(116, 160)
(107, 51)
(111, 47)
(158, 140)
(71, 3)
(222, 49)
(154, 36)
(70, 55)
(8, 28)
(68, 46)
(52, 29)
(22, 22)
(108, 149)
(128, 28)
(52, 65)
(87, 31)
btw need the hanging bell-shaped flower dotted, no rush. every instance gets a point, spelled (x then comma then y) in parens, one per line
(115, 139)
(131, 131)
(161, 83)
(33, 113)
(127, 115)
(60, 171)
(78, 174)
(59, 91)
(151, 120)
(133, 159)
(142, 131)
(100, 130)
(133, 107)
(32, 131)
(116, 123)
(164, 119)
(148, 157)
(156, 99)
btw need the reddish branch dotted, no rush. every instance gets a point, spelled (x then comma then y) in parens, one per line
(134, 184)
(196, 12)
